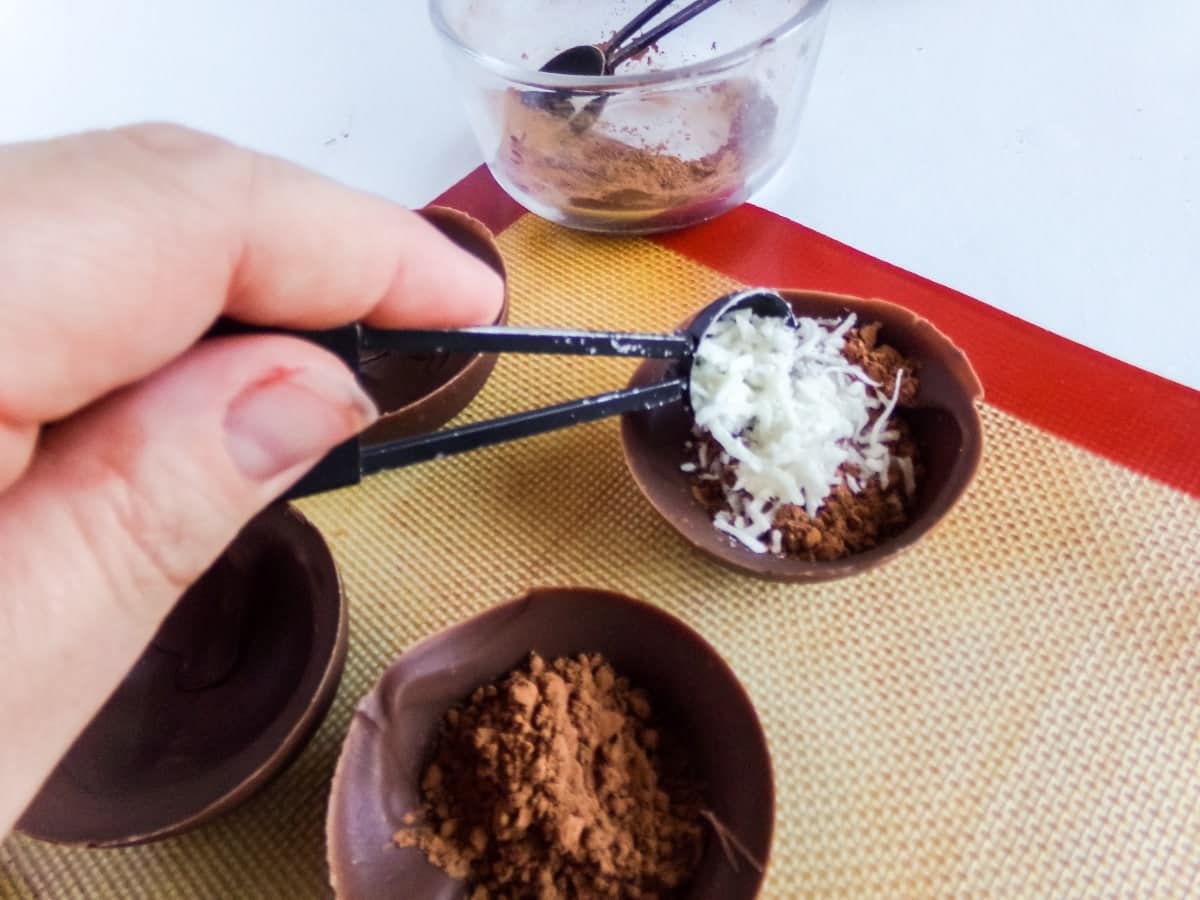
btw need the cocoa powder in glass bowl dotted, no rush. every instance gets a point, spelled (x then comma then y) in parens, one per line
(675, 136)
(591, 173)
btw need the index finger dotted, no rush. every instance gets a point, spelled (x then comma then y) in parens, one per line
(120, 248)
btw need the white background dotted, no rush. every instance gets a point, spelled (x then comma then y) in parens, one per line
(1041, 156)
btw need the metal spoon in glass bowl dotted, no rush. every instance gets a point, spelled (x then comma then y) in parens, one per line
(603, 59)
(593, 60)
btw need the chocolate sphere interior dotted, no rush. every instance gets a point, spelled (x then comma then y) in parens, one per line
(690, 687)
(234, 684)
(419, 392)
(944, 421)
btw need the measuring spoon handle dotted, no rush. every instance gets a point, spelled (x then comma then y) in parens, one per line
(506, 339)
(657, 32)
(637, 22)
(406, 452)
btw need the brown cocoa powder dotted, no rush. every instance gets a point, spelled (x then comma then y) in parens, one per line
(847, 522)
(552, 158)
(554, 783)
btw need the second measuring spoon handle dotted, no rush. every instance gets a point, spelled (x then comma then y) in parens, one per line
(506, 339)
(636, 46)
(407, 451)
(636, 22)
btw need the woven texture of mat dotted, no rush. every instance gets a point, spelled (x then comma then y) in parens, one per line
(1011, 709)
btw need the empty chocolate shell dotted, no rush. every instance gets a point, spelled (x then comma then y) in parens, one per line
(233, 686)
(419, 392)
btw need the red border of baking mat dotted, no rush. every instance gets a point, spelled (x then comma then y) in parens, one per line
(1133, 417)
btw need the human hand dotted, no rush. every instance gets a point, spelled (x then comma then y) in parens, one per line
(129, 455)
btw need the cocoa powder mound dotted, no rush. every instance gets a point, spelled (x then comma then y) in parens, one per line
(556, 783)
(548, 156)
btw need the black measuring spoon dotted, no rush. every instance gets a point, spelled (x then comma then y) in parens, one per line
(504, 339)
(348, 463)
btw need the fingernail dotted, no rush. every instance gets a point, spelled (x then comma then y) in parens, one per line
(291, 417)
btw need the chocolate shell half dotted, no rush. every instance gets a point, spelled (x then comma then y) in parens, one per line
(944, 421)
(692, 690)
(233, 686)
(419, 392)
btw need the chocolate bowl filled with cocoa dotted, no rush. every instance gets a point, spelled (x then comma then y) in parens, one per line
(815, 451)
(573, 743)
(419, 392)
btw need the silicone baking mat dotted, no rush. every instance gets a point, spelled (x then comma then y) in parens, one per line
(1009, 709)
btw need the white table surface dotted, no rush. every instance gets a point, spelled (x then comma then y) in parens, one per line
(1042, 157)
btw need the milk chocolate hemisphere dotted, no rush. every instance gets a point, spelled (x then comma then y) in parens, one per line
(419, 392)
(944, 420)
(691, 689)
(233, 686)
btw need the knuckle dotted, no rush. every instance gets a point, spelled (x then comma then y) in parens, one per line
(171, 140)
(143, 542)
(17, 444)
(153, 538)
(202, 173)
(206, 168)
(157, 540)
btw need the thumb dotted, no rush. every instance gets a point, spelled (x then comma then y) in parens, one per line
(129, 502)
(161, 476)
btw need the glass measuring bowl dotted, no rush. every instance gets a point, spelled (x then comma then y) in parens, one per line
(683, 133)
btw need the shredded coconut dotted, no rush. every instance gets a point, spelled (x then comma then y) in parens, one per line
(793, 417)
